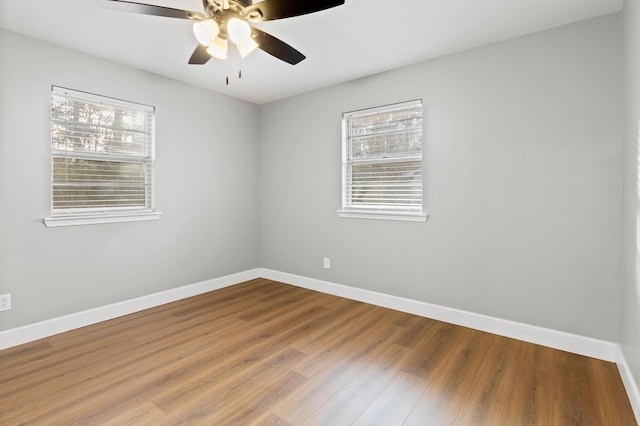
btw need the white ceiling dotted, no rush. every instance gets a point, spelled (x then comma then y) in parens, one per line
(359, 38)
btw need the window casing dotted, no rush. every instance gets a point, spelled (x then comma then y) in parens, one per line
(382, 155)
(102, 159)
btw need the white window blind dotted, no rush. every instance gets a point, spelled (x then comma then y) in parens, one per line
(382, 160)
(102, 153)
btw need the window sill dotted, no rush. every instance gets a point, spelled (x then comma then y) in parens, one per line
(406, 217)
(96, 219)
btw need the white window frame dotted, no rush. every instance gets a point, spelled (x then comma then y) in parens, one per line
(88, 216)
(351, 209)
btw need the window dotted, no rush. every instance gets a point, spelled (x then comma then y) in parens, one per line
(102, 153)
(382, 163)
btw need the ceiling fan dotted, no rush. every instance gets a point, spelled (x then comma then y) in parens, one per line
(229, 20)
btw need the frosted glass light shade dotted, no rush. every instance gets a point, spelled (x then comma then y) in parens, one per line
(206, 31)
(247, 47)
(218, 48)
(239, 31)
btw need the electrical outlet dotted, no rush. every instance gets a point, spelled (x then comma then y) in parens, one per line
(5, 302)
(327, 263)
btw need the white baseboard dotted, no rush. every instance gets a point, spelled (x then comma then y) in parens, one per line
(581, 345)
(630, 384)
(587, 346)
(40, 330)
(594, 348)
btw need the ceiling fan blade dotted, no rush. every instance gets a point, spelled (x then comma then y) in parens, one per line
(276, 47)
(279, 9)
(199, 56)
(149, 9)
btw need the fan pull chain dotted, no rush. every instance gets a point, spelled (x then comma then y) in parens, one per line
(239, 77)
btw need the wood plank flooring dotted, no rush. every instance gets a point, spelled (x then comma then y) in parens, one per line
(266, 353)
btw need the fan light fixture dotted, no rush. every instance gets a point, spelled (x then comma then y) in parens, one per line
(218, 48)
(239, 31)
(206, 31)
(247, 47)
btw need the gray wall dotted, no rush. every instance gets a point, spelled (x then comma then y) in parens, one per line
(630, 314)
(206, 175)
(522, 183)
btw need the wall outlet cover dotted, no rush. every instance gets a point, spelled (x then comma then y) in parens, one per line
(327, 263)
(5, 302)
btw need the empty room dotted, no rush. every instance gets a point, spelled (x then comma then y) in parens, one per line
(323, 212)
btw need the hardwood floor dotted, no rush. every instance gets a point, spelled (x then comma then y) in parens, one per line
(267, 353)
